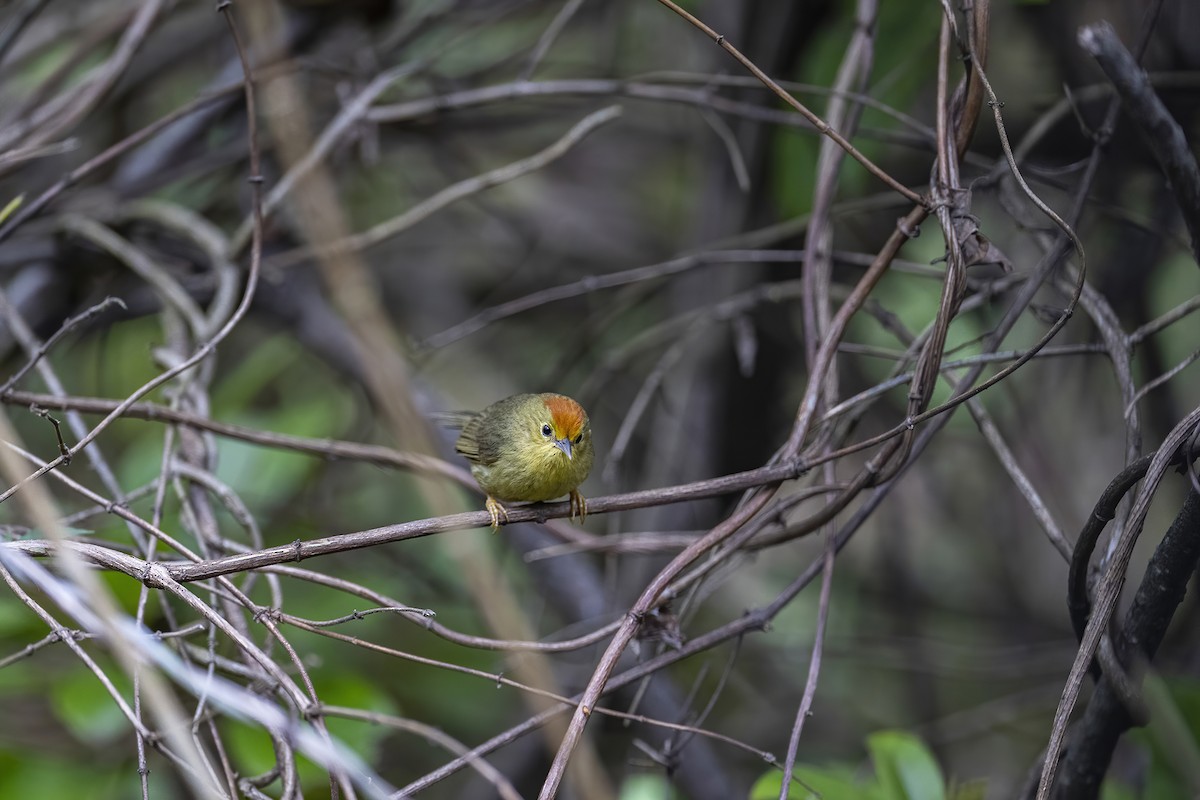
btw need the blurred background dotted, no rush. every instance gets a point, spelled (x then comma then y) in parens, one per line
(464, 200)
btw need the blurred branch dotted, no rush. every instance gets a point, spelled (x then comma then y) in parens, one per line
(546, 40)
(814, 668)
(539, 512)
(103, 615)
(168, 289)
(1162, 589)
(1159, 130)
(65, 111)
(321, 448)
(204, 350)
(17, 21)
(593, 283)
(109, 154)
(77, 321)
(393, 100)
(504, 787)
(1108, 591)
(757, 619)
(451, 194)
(656, 87)
(786, 97)
(1121, 548)
(332, 134)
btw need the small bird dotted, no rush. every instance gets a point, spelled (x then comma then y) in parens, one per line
(528, 447)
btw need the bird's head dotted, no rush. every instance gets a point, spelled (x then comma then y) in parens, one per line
(564, 424)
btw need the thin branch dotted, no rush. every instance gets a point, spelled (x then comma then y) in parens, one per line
(814, 668)
(786, 97)
(451, 194)
(321, 448)
(1162, 134)
(1162, 589)
(546, 40)
(77, 321)
(1108, 592)
(115, 151)
(78, 102)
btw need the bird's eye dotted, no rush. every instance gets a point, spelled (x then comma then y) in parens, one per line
(546, 430)
(579, 438)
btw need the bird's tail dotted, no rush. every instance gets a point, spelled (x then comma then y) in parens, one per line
(455, 420)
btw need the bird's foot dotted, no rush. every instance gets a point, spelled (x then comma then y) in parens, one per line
(496, 511)
(578, 505)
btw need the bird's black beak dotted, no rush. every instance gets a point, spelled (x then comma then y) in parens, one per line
(564, 445)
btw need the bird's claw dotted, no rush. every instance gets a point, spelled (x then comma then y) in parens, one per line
(496, 511)
(578, 505)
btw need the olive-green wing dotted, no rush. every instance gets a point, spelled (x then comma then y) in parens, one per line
(468, 441)
(468, 423)
(503, 417)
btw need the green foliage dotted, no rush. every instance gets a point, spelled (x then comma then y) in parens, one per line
(11, 206)
(123, 589)
(341, 688)
(904, 769)
(354, 690)
(902, 30)
(48, 61)
(1111, 790)
(250, 747)
(15, 620)
(1175, 281)
(638, 194)
(87, 710)
(1172, 738)
(31, 774)
(812, 783)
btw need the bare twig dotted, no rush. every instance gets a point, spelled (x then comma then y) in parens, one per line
(780, 92)
(451, 194)
(1160, 131)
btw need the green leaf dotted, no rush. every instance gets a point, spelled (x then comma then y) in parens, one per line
(905, 768)
(11, 206)
(813, 783)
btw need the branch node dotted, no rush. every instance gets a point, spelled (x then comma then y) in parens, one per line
(154, 576)
(910, 231)
(267, 613)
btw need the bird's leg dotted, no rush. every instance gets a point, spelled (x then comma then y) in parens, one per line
(578, 505)
(497, 511)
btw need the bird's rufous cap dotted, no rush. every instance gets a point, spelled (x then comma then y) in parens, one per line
(566, 415)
